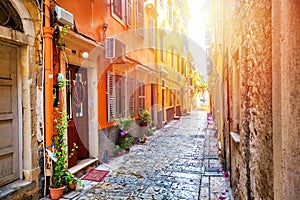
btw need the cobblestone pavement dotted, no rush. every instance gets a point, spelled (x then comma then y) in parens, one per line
(170, 165)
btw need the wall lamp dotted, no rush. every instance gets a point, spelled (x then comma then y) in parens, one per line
(105, 26)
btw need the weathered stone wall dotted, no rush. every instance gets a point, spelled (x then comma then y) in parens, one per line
(107, 141)
(252, 168)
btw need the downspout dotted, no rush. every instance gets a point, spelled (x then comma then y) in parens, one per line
(48, 31)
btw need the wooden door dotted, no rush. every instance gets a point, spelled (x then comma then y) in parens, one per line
(9, 130)
(77, 113)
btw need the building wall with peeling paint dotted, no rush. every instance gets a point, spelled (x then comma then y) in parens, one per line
(260, 70)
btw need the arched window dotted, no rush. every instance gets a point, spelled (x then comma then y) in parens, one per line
(9, 17)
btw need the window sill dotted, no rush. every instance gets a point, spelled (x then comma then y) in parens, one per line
(236, 137)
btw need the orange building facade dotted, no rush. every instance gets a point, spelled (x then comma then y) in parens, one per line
(108, 54)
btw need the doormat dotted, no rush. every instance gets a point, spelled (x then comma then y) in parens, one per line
(95, 175)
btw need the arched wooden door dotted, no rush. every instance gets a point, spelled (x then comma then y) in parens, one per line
(77, 113)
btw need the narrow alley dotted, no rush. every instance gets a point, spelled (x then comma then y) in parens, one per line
(173, 164)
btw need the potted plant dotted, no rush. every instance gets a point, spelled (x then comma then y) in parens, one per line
(60, 147)
(125, 124)
(118, 150)
(59, 170)
(125, 139)
(72, 181)
(144, 117)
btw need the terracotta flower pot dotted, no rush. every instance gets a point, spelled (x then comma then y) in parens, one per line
(56, 193)
(72, 186)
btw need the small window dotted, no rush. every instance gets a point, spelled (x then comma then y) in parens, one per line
(141, 95)
(162, 57)
(118, 10)
(139, 18)
(132, 96)
(162, 3)
(129, 13)
(120, 96)
(152, 33)
(170, 14)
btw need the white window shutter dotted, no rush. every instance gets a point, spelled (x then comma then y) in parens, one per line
(110, 47)
(111, 97)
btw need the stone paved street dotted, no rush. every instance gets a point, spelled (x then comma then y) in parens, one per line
(170, 165)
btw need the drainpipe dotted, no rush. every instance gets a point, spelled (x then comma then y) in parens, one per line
(48, 31)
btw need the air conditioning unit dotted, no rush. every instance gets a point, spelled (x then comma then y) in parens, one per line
(64, 16)
(114, 48)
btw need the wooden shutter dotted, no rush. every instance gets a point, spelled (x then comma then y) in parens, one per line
(152, 37)
(139, 18)
(131, 96)
(162, 57)
(129, 12)
(111, 97)
(141, 95)
(120, 96)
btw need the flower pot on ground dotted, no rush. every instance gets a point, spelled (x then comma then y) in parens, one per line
(118, 150)
(56, 193)
(72, 181)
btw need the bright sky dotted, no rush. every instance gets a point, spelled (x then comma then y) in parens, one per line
(197, 33)
(196, 23)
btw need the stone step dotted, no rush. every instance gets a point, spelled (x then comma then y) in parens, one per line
(83, 166)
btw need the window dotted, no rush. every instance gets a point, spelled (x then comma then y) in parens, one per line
(111, 97)
(162, 48)
(178, 63)
(182, 66)
(172, 60)
(120, 10)
(120, 96)
(132, 97)
(141, 95)
(171, 98)
(162, 3)
(152, 34)
(170, 13)
(129, 13)
(139, 18)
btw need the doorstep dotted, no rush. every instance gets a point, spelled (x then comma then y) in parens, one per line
(83, 166)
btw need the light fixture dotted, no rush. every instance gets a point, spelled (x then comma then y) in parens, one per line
(105, 26)
(85, 55)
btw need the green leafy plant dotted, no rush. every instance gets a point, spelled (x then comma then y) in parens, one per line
(144, 116)
(61, 154)
(71, 178)
(60, 151)
(128, 140)
(150, 131)
(125, 123)
(117, 148)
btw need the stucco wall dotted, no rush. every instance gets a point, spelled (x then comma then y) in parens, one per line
(286, 101)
